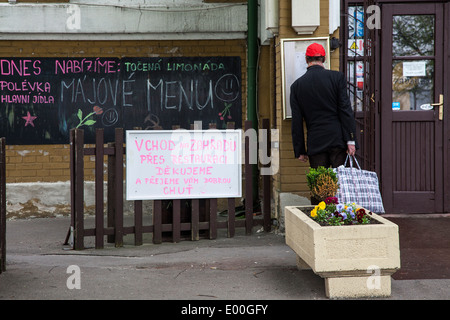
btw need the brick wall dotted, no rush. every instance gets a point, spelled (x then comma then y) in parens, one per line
(50, 163)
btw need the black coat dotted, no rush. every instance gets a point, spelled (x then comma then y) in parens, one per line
(320, 98)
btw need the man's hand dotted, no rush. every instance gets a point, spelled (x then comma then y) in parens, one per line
(351, 149)
(303, 158)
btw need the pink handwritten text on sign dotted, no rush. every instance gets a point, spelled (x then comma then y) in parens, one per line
(183, 164)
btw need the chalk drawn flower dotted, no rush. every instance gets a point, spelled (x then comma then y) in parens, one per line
(85, 121)
(226, 112)
(98, 110)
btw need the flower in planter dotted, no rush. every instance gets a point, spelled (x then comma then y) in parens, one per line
(362, 217)
(331, 200)
(330, 212)
(320, 206)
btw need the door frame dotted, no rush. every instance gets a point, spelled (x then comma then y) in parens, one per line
(441, 182)
(376, 159)
(446, 92)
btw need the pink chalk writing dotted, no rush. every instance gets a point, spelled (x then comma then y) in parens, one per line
(184, 171)
(68, 66)
(199, 159)
(209, 144)
(15, 98)
(21, 68)
(155, 145)
(156, 180)
(25, 86)
(217, 180)
(152, 159)
(26, 92)
(177, 190)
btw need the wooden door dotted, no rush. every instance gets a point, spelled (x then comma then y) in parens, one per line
(412, 81)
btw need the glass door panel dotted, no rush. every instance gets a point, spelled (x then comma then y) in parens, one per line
(413, 35)
(412, 84)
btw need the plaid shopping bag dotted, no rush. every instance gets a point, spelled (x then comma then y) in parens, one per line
(359, 186)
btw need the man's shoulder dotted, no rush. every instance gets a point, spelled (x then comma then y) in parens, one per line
(324, 73)
(297, 81)
(321, 71)
(334, 73)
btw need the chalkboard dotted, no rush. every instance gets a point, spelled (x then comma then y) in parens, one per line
(41, 99)
(183, 164)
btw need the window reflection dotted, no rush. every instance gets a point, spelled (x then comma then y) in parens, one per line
(413, 35)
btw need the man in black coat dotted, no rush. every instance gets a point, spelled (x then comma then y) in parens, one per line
(320, 98)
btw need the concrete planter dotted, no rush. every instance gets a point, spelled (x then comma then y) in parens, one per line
(355, 261)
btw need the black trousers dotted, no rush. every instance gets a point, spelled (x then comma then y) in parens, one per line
(333, 157)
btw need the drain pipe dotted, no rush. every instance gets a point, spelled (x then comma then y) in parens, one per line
(252, 58)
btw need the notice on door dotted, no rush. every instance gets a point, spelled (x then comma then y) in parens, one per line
(414, 69)
(183, 164)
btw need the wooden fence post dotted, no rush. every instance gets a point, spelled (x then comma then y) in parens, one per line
(111, 192)
(78, 232)
(99, 198)
(138, 240)
(157, 221)
(118, 219)
(72, 185)
(213, 218)
(176, 220)
(195, 218)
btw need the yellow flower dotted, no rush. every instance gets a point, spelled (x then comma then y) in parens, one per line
(314, 212)
(322, 205)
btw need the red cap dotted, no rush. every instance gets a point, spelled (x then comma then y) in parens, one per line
(315, 50)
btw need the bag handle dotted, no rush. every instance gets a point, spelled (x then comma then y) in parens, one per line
(351, 161)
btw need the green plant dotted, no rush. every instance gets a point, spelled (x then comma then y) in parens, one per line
(322, 182)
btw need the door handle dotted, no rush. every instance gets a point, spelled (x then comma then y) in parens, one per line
(441, 106)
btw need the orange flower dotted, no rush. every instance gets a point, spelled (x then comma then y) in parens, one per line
(98, 110)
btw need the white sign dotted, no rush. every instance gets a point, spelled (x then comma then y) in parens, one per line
(183, 164)
(414, 69)
(293, 64)
(355, 47)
